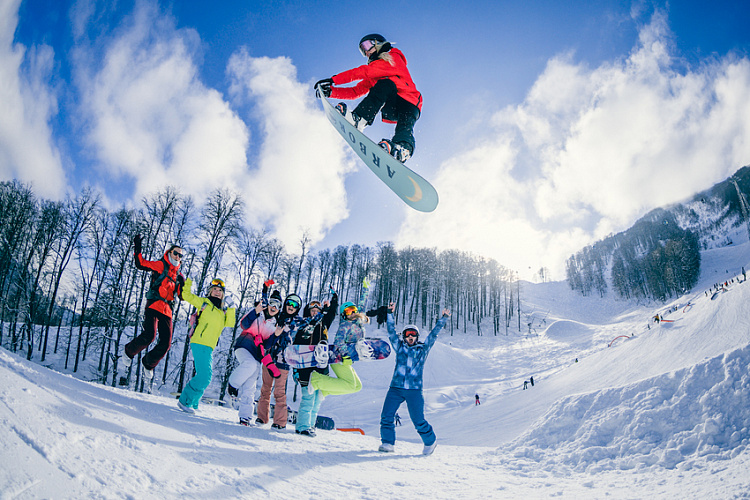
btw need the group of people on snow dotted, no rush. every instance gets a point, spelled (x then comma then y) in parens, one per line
(268, 329)
(273, 324)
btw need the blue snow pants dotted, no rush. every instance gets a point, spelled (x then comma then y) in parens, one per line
(415, 403)
(308, 410)
(193, 391)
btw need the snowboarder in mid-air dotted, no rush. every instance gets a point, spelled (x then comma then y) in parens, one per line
(390, 90)
(165, 289)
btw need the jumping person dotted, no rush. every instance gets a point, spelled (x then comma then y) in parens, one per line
(406, 384)
(350, 331)
(212, 317)
(389, 89)
(166, 287)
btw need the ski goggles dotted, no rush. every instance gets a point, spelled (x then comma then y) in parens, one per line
(274, 303)
(315, 304)
(218, 283)
(410, 333)
(292, 302)
(350, 310)
(365, 46)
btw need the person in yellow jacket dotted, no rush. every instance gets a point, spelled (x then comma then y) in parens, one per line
(213, 317)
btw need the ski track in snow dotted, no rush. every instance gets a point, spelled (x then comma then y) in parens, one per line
(663, 413)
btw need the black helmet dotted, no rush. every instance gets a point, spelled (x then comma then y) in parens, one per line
(374, 38)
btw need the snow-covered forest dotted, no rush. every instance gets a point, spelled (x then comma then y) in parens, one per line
(68, 284)
(658, 258)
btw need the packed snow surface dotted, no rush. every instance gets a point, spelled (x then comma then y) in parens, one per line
(662, 413)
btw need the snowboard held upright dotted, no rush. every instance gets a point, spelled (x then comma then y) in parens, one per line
(303, 356)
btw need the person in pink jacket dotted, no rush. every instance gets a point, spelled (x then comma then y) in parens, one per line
(388, 88)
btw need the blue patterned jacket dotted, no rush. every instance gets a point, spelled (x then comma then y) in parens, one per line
(410, 359)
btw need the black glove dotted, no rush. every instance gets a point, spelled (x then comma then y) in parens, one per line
(382, 314)
(323, 87)
(137, 244)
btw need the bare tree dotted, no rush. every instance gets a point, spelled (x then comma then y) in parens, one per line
(79, 212)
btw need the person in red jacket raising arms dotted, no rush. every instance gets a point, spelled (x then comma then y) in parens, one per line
(390, 91)
(166, 287)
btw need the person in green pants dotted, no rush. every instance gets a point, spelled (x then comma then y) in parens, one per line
(213, 317)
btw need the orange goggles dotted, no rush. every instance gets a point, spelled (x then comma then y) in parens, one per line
(350, 310)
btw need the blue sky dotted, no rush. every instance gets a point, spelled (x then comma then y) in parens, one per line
(545, 125)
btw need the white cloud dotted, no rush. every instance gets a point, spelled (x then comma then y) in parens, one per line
(27, 103)
(588, 152)
(154, 121)
(152, 118)
(299, 181)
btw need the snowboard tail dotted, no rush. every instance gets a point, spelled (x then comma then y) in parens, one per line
(414, 190)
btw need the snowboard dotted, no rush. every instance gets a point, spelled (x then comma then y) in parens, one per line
(325, 423)
(302, 356)
(412, 188)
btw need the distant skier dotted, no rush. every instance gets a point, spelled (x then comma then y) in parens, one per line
(389, 88)
(525, 384)
(213, 316)
(166, 287)
(476, 400)
(397, 421)
(406, 384)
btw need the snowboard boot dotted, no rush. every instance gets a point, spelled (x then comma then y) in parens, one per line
(246, 422)
(386, 448)
(258, 421)
(396, 149)
(126, 361)
(429, 449)
(148, 374)
(184, 408)
(307, 432)
(353, 118)
(277, 427)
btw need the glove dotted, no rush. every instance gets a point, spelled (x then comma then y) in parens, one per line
(269, 282)
(321, 354)
(323, 87)
(268, 363)
(382, 314)
(228, 302)
(364, 351)
(137, 240)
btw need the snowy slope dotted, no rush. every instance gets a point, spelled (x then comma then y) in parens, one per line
(663, 413)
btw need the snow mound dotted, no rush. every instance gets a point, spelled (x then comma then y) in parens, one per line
(569, 331)
(668, 420)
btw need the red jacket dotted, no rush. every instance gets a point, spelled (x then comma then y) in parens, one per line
(169, 289)
(373, 71)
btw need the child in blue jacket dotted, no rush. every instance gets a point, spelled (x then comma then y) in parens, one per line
(406, 384)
